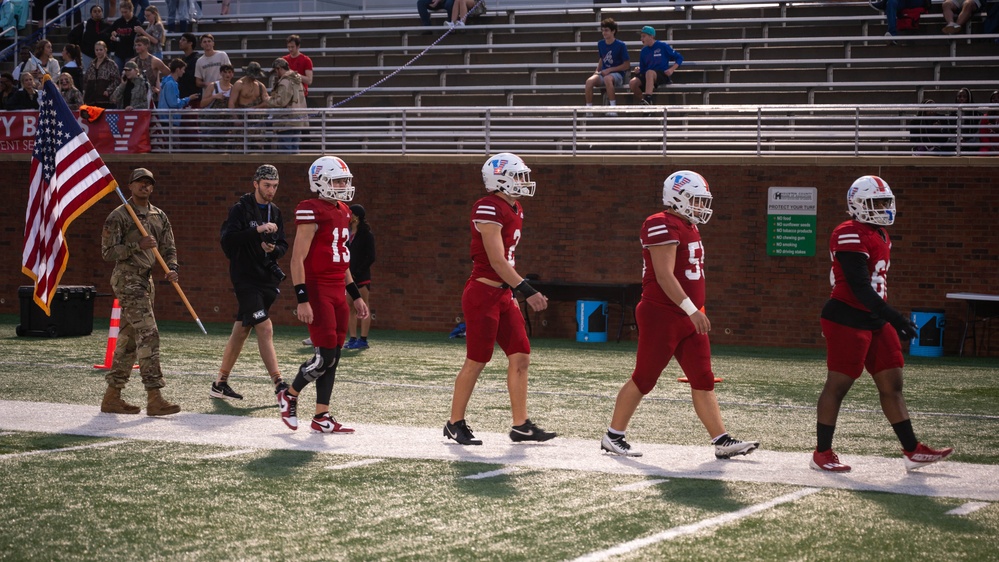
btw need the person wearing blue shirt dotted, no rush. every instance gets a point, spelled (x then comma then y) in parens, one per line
(170, 91)
(612, 63)
(657, 62)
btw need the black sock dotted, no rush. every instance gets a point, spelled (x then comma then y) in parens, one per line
(906, 436)
(824, 436)
(364, 338)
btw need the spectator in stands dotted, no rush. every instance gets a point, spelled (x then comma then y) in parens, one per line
(123, 35)
(133, 91)
(612, 64)
(88, 33)
(459, 13)
(43, 62)
(894, 8)
(927, 129)
(249, 91)
(988, 132)
(178, 16)
(967, 121)
(206, 70)
(140, 10)
(72, 64)
(152, 68)
(298, 62)
(188, 83)
(100, 79)
(288, 93)
(23, 57)
(7, 88)
(427, 6)
(27, 96)
(154, 31)
(965, 9)
(656, 63)
(69, 91)
(216, 95)
(170, 91)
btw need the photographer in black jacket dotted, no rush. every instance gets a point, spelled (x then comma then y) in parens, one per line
(253, 240)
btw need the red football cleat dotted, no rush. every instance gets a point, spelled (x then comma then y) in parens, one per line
(924, 456)
(828, 461)
(326, 424)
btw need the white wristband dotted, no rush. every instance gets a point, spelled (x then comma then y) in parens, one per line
(688, 306)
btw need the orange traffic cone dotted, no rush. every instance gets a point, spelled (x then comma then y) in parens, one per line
(112, 337)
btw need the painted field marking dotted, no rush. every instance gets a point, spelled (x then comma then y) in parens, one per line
(225, 454)
(363, 462)
(47, 451)
(491, 473)
(967, 508)
(638, 485)
(669, 534)
(4, 433)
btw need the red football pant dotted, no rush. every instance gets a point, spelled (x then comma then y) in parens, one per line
(663, 334)
(329, 308)
(492, 316)
(850, 350)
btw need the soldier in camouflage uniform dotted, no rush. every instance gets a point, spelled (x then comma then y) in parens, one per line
(132, 283)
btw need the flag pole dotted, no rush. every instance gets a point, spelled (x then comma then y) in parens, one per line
(159, 258)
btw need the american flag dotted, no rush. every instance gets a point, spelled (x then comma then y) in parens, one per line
(67, 177)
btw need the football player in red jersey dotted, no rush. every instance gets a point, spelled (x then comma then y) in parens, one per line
(670, 316)
(490, 309)
(853, 323)
(320, 271)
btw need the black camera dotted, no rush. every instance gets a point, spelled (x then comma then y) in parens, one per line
(275, 270)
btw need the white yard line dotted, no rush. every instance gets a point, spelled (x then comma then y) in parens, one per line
(491, 473)
(354, 464)
(61, 450)
(227, 454)
(641, 485)
(967, 508)
(670, 534)
(947, 479)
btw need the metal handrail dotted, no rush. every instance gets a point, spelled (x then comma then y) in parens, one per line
(821, 130)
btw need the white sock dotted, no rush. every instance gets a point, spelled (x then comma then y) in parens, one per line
(613, 431)
(612, 102)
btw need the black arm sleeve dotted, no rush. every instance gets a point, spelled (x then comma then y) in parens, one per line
(854, 266)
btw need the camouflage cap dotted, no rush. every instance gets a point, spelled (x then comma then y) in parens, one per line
(266, 172)
(139, 173)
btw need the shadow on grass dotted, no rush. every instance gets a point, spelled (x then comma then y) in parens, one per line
(279, 463)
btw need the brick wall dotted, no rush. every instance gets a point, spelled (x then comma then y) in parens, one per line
(582, 226)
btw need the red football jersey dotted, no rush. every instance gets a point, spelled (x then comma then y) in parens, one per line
(664, 228)
(493, 209)
(329, 257)
(873, 242)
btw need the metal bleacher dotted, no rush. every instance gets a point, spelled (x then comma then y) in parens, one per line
(806, 52)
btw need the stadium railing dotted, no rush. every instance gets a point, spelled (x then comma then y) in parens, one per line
(826, 130)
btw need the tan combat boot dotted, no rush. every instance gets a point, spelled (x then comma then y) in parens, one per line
(156, 405)
(113, 403)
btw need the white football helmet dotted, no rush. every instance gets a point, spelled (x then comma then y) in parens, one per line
(871, 201)
(507, 173)
(687, 193)
(322, 173)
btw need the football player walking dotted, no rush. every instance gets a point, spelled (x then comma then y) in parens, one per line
(490, 309)
(320, 271)
(670, 316)
(853, 323)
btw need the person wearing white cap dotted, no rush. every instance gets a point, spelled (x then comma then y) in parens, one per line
(656, 63)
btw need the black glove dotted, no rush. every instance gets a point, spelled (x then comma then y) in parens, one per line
(905, 327)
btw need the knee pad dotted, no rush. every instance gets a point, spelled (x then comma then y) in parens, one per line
(645, 381)
(324, 358)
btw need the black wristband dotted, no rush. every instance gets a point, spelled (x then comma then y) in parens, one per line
(301, 294)
(353, 291)
(525, 289)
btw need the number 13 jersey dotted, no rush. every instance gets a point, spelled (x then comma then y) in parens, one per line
(328, 258)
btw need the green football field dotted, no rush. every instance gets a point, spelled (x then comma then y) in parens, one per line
(227, 481)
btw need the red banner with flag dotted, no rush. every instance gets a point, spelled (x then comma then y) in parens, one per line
(114, 131)
(67, 177)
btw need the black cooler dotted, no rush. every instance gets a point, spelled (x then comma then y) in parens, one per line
(72, 310)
